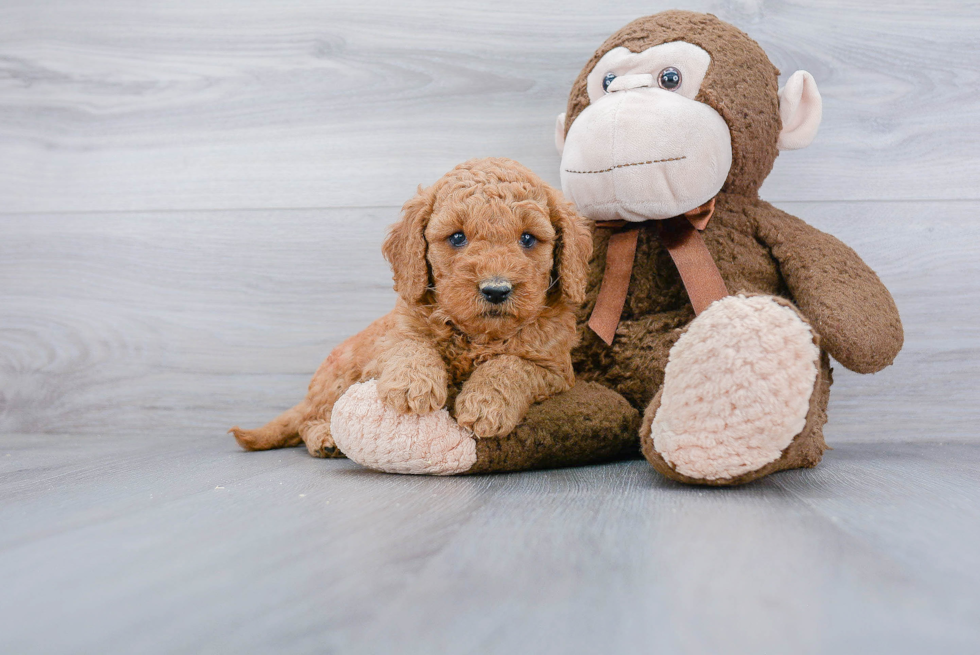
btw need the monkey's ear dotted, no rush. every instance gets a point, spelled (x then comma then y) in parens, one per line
(573, 248)
(560, 133)
(800, 109)
(405, 247)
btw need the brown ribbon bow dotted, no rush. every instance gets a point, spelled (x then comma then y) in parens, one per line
(681, 236)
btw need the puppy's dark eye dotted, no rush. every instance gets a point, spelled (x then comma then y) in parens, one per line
(669, 78)
(457, 240)
(528, 240)
(607, 80)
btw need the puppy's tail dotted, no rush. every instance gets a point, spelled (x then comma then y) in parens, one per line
(277, 433)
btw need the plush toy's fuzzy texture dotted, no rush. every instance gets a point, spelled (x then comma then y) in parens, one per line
(565, 430)
(378, 437)
(804, 451)
(736, 388)
(760, 251)
(737, 65)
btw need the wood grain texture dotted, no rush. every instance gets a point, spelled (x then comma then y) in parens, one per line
(129, 544)
(185, 105)
(159, 323)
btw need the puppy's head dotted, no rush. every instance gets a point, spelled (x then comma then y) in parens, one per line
(492, 245)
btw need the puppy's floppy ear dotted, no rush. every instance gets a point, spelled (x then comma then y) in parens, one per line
(405, 246)
(573, 247)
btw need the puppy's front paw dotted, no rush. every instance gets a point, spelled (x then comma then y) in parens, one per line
(485, 412)
(414, 391)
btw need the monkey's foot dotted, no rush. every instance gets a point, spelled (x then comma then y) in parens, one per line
(585, 425)
(737, 394)
(378, 437)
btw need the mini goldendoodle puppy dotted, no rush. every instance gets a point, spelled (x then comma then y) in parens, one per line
(489, 264)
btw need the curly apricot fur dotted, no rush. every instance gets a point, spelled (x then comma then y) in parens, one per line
(443, 332)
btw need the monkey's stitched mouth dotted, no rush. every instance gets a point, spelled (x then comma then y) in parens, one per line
(636, 163)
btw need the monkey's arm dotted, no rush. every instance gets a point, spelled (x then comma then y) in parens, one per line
(844, 299)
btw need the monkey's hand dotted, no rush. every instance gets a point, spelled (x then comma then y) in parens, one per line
(413, 378)
(839, 294)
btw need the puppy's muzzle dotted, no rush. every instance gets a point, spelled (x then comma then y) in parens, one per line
(496, 290)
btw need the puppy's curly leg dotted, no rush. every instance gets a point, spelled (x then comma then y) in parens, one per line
(498, 394)
(413, 377)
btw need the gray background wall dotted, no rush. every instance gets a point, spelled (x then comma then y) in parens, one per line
(193, 193)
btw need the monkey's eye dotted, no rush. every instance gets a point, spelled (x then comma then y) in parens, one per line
(669, 78)
(457, 240)
(528, 240)
(607, 80)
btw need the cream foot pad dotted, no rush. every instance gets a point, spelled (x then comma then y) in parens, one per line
(736, 388)
(376, 436)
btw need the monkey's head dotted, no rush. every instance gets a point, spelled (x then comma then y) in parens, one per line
(672, 109)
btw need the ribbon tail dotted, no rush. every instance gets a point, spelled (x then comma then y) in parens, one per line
(620, 252)
(694, 262)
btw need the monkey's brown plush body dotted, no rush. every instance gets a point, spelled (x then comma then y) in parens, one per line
(672, 111)
(759, 250)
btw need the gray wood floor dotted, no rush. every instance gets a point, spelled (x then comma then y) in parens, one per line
(114, 544)
(192, 200)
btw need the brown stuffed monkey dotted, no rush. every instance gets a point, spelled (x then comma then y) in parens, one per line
(670, 130)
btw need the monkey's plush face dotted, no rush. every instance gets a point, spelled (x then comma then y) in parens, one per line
(645, 148)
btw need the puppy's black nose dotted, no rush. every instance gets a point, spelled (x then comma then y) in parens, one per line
(496, 290)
